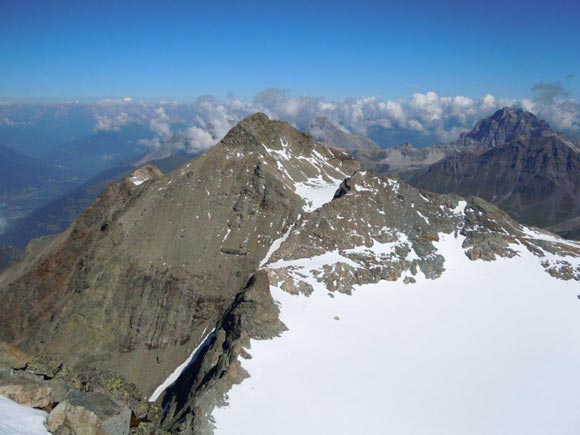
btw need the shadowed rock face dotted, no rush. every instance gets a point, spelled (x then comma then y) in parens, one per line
(506, 125)
(253, 315)
(537, 181)
(131, 285)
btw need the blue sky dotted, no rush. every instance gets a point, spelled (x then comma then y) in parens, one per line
(184, 49)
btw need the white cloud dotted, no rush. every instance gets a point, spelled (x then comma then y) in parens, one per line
(196, 126)
(116, 122)
(159, 124)
(199, 138)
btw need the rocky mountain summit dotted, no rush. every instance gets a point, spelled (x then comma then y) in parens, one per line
(533, 175)
(134, 281)
(170, 282)
(504, 126)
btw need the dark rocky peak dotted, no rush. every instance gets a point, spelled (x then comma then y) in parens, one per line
(504, 126)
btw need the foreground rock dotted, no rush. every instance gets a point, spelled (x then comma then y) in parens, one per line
(27, 392)
(11, 356)
(89, 414)
(45, 383)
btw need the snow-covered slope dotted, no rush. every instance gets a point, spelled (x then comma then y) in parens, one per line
(16, 419)
(487, 347)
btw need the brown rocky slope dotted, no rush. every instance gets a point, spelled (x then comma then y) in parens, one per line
(132, 284)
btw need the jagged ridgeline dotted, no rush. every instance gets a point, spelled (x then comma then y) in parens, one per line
(168, 280)
(135, 280)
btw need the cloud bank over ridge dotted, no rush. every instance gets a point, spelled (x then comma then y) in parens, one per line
(196, 126)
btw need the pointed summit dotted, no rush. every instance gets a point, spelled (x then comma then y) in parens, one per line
(506, 125)
(258, 129)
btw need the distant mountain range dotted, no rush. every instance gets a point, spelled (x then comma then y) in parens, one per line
(517, 162)
(323, 130)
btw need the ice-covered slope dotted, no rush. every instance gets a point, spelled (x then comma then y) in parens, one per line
(16, 419)
(488, 348)
(483, 347)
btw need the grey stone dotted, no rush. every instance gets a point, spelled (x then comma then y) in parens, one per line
(89, 414)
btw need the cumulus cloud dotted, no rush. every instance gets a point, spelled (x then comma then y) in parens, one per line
(553, 102)
(159, 124)
(197, 126)
(116, 122)
(8, 122)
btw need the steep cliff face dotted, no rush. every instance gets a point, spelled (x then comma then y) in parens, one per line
(132, 284)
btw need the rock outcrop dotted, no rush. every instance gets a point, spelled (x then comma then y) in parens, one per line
(11, 356)
(89, 414)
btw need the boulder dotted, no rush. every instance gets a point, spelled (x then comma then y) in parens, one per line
(89, 414)
(26, 392)
(11, 356)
